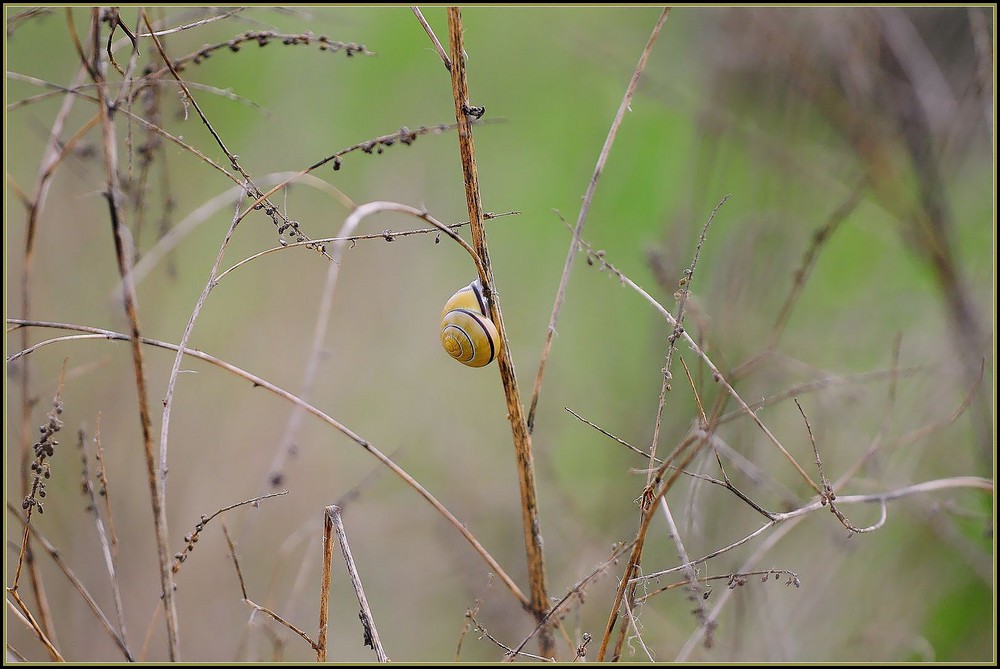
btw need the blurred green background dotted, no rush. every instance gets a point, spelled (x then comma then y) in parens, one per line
(786, 110)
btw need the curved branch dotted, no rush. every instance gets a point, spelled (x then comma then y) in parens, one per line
(284, 394)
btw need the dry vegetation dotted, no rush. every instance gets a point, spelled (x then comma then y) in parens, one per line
(753, 441)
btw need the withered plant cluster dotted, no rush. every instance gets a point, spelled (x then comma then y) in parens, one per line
(115, 114)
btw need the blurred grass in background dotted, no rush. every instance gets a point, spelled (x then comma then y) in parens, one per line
(786, 110)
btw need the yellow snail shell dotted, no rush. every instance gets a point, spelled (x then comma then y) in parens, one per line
(467, 333)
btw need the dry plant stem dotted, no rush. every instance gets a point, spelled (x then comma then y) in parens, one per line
(509, 653)
(971, 482)
(718, 577)
(387, 235)
(634, 624)
(693, 585)
(72, 577)
(748, 468)
(333, 517)
(12, 652)
(102, 477)
(128, 294)
(626, 591)
(284, 394)
(190, 98)
(25, 614)
(168, 398)
(192, 538)
(539, 604)
(324, 588)
(55, 150)
(716, 373)
(30, 497)
(588, 197)
(233, 161)
(195, 24)
(801, 276)
(678, 328)
(608, 434)
(829, 495)
(323, 312)
(256, 607)
(713, 615)
(168, 242)
(430, 33)
(649, 501)
(109, 558)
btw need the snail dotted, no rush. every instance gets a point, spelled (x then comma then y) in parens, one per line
(467, 333)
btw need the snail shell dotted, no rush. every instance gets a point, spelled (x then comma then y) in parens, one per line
(467, 333)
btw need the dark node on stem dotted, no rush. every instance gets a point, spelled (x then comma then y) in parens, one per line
(369, 641)
(336, 163)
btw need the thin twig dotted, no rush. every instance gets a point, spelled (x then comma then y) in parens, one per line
(77, 583)
(747, 566)
(464, 109)
(53, 154)
(608, 434)
(430, 33)
(14, 652)
(975, 482)
(192, 538)
(333, 517)
(585, 209)
(469, 613)
(284, 394)
(105, 489)
(509, 652)
(323, 314)
(678, 461)
(254, 605)
(576, 592)
(819, 238)
(829, 496)
(734, 579)
(717, 375)
(25, 614)
(194, 24)
(102, 534)
(387, 235)
(678, 327)
(236, 560)
(653, 476)
(178, 232)
(156, 487)
(694, 587)
(695, 434)
(634, 623)
(44, 449)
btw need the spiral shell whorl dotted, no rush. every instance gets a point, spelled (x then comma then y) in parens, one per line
(467, 333)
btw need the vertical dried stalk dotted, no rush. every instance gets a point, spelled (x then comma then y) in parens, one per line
(367, 619)
(54, 152)
(324, 588)
(522, 439)
(588, 197)
(113, 195)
